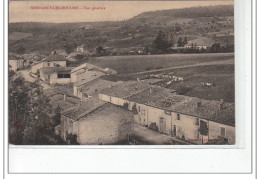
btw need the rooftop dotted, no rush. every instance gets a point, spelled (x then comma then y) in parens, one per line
(200, 41)
(208, 109)
(110, 111)
(83, 108)
(54, 57)
(95, 86)
(125, 89)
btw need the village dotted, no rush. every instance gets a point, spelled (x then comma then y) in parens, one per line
(98, 111)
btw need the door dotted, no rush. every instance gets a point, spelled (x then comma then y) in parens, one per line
(174, 130)
(162, 125)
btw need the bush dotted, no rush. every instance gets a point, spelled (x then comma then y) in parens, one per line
(182, 90)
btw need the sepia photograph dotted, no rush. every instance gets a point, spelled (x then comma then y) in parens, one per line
(121, 73)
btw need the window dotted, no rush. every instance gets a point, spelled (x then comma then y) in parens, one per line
(139, 109)
(48, 64)
(197, 122)
(178, 117)
(222, 131)
(63, 75)
(54, 64)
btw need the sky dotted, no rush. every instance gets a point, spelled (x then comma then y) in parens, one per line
(21, 11)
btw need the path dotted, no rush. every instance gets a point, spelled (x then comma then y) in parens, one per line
(155, 137)
(223, 62)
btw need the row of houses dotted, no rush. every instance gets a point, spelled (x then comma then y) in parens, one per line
(188, 118)
(113, 110)
(53, 70)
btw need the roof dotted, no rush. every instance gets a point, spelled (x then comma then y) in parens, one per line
(95, 86)
(209, 109)
(54, 57)
(203, 41)
(125, 89)
(12, 56)
(89, 76)
(148, 95)
(87, 66)
(50, 70)
(83, 108)
(104, 112)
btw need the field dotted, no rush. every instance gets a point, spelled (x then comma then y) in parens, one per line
(194, 69)
(133, 64)
(14, 36)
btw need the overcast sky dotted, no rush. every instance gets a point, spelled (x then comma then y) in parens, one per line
(20, 11)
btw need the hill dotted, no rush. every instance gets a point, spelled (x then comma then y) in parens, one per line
(213, 22)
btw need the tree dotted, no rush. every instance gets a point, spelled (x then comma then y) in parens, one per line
(28, 109)
(69, 48)
(20, 50)
(185, 41)
(100, 51)
(161, 43)
(180, 43)
(203, 129)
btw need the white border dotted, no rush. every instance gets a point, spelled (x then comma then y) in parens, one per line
(23, 159)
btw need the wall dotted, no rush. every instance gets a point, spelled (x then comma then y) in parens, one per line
(214, 131)
(37, 67)
(104, 97)
(155, 114)
(66, 126)
(188, 128)
(59, 81)
(54, 63)
(16, 64)
(105, 126)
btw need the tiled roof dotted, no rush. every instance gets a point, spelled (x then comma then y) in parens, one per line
(119, 114)
(54, 57)
(209, 109)
(95, 86)
(83, 108)
(125, 89)
(200, 41)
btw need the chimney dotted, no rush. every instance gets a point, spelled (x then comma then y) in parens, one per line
(53, 52)
(222, 100)
(198, 104)
(64, 97)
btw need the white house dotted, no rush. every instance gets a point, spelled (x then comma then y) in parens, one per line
(53, 60)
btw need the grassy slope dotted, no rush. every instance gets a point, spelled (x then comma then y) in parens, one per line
(132, 64)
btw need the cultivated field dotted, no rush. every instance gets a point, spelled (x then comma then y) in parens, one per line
(14, 36)
(134, 64)
(194, 69)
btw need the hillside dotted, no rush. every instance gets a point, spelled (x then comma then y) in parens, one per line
(213, 22)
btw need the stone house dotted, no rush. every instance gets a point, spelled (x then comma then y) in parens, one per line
(96, 122)
(53, 60)
(188, 118)
(57, 75)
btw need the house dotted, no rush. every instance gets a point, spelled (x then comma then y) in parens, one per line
(117, 94)
(96, 122)
(90, 88)
(53, 60)
(82, 48)
(199, 43)
(188, 118)
(86, 72)
(15, 62)
(57, 75)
